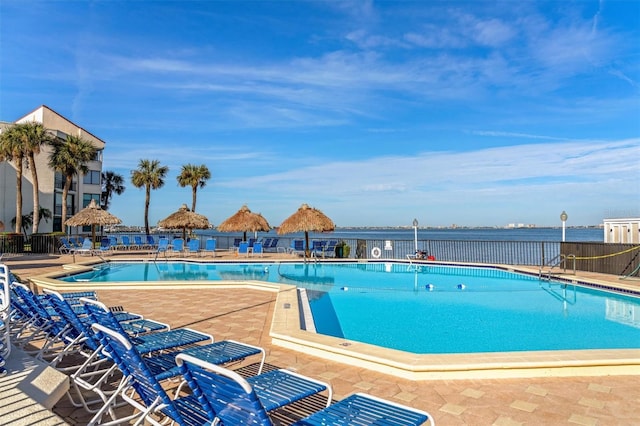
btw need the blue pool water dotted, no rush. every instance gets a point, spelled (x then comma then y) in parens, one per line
(428, 309)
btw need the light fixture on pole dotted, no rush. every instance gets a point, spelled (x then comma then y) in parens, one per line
(415, 233)
(563, 218)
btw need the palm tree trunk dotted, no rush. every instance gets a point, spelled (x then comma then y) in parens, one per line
(18, 195)
(65, 194)
(193, 199)
(36, 194)
(146, 209)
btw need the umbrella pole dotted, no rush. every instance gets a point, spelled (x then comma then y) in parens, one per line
(93, 236)
(306, 244)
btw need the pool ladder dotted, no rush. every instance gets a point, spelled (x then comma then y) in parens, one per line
(559, 261)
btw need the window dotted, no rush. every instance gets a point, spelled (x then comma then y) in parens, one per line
(92, 177)
(86, 199)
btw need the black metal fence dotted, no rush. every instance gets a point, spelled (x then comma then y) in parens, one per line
(608, 258)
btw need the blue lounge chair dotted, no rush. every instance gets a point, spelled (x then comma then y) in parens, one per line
(126, 242)
(105, 246)
(67, 247)
(143, 375)
(257, 249)
(163, 247)
(86, 249)
(95, 371)
(364, 409)
(147, 343)
(151, 242)
(297, 247)
(138, 243)
(230, 399)
(236, 242)
(193, 246)
(210, 247)
(148, 396)
(243, 248)
(327, 249)
(177, 245)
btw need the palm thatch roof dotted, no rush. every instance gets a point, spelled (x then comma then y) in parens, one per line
(92, 215)
(306, 219)
(184, 219)
(244, 220)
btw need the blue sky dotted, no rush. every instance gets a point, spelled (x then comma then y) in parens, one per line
(473, 113)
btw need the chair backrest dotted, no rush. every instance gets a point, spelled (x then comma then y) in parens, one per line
(243, 247)
(137, 240)
(331, 245)
(150, 240)
(87, 244)
(100, 314)
(298, 245)
(37, 309)
(257, 247)
(224, 394)
(274, 243)
(193, 245)
(163, 244)
(178, 244)
(252, 241)
(113, 241)
(210, 244)
(236, 242)
(66, 312)
(104, 243)
(125, 240)
(130, 362)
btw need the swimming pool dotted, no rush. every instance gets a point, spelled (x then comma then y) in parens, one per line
(426, 309)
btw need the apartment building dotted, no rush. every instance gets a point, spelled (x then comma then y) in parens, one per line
(83, 190)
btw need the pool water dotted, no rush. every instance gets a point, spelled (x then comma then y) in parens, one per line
(428, 309)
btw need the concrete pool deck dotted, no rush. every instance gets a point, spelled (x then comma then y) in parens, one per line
(247, 315)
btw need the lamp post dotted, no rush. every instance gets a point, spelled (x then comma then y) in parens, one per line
(415, 233)
(563, 218)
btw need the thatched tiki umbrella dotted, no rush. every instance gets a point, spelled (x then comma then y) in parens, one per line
(92, 215)
(306, 219)
(184, 219)
(245, 221)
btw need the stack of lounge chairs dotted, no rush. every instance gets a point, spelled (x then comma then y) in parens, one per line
(119, 365)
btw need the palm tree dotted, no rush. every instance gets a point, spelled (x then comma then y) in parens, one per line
(33, 135)
(27, 219)
(11, 149)
(111, 183)
(70, 157)
(193, 176)
(149, 174)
